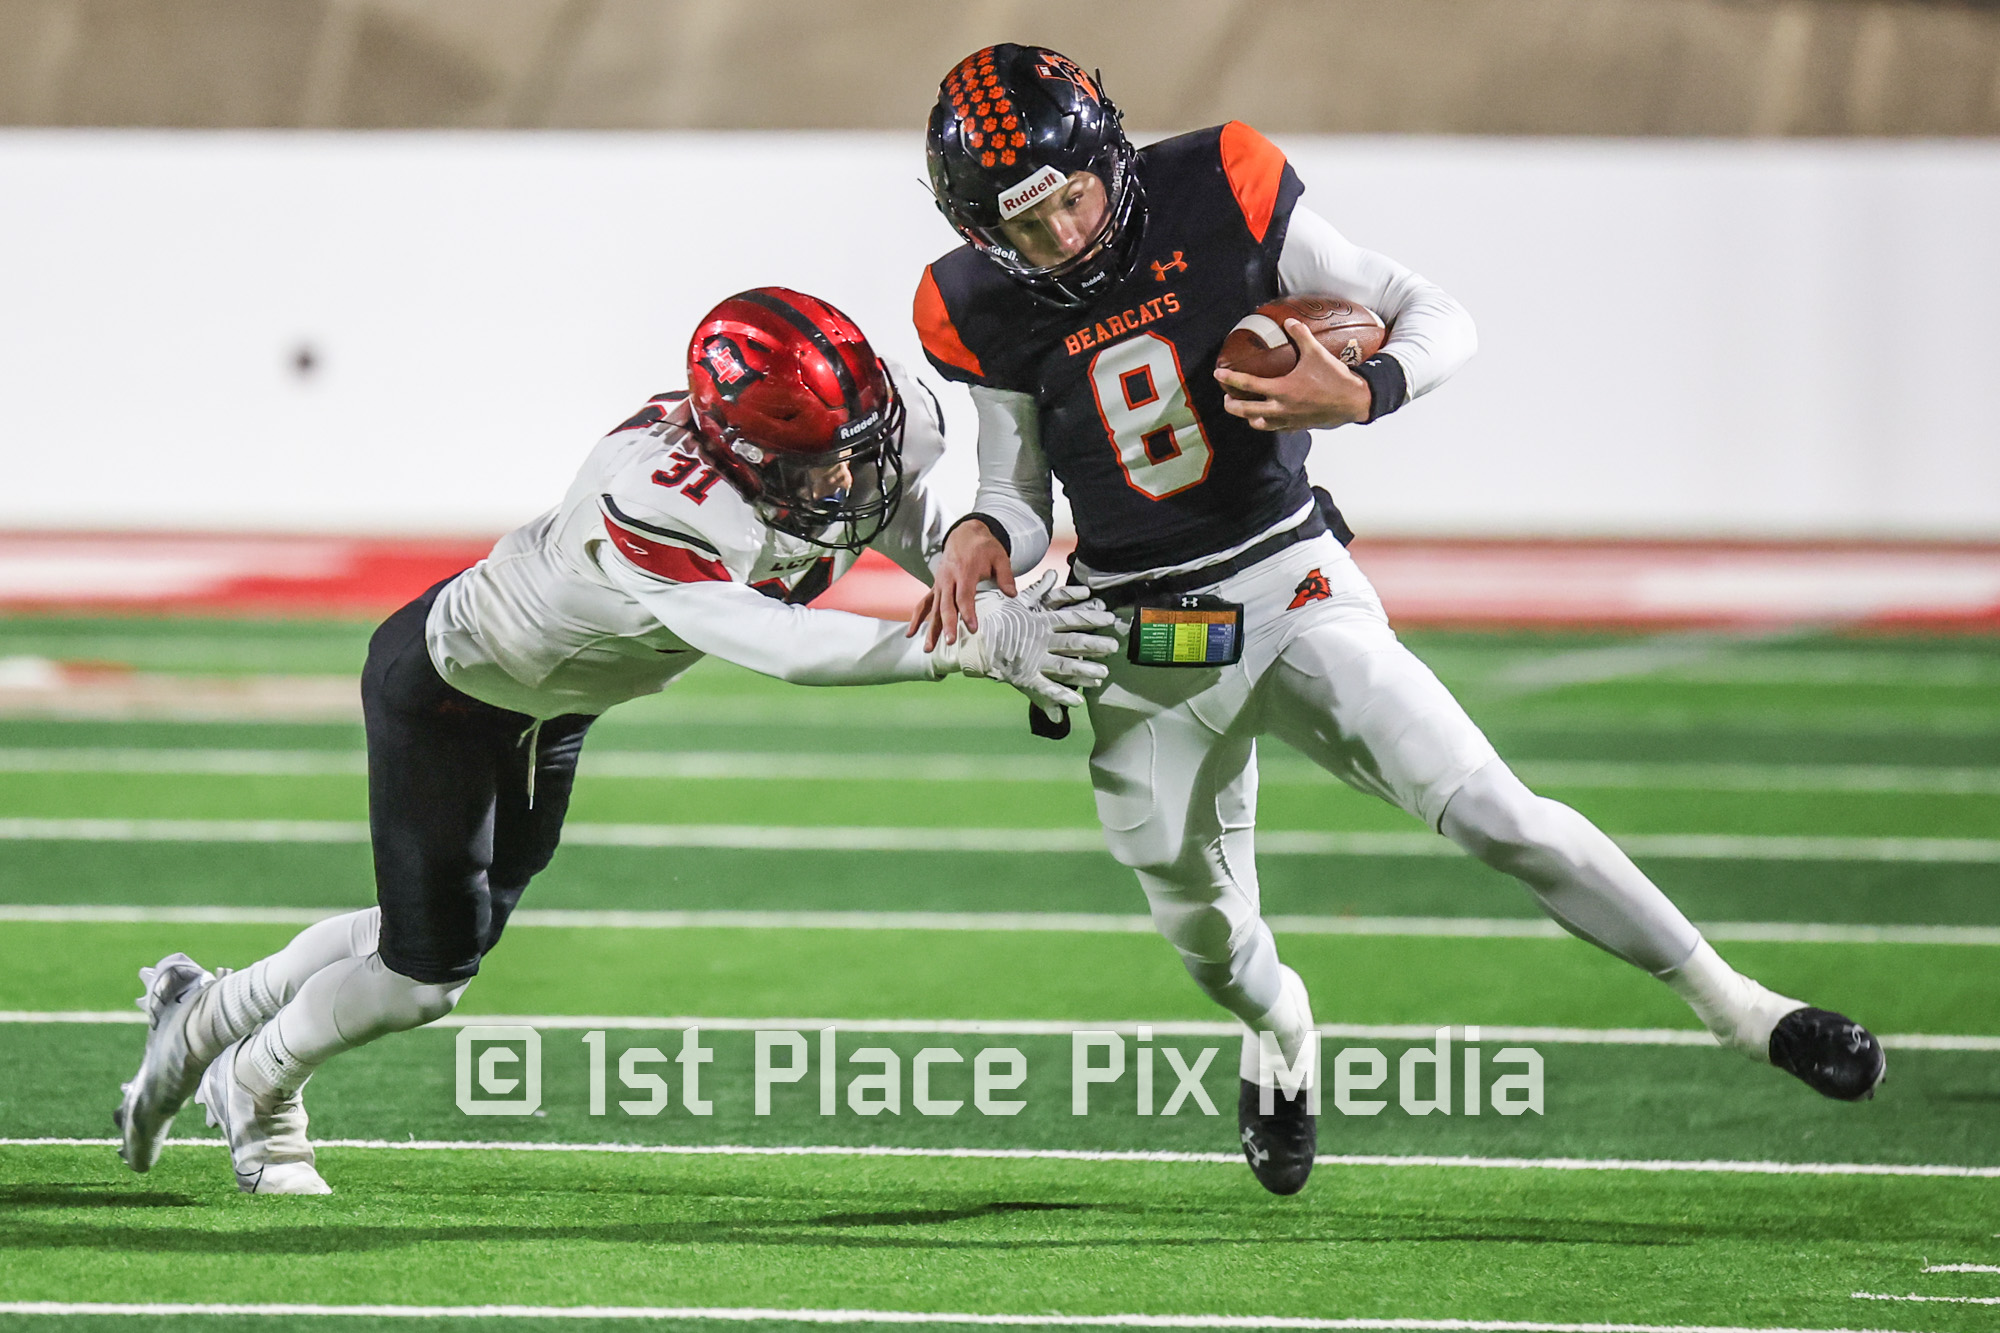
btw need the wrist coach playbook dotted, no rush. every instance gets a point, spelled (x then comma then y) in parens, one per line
(1186, 630)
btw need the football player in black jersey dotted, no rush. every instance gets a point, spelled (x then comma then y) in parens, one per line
(1084, 311)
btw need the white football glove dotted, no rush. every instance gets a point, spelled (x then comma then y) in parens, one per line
(1039, 642)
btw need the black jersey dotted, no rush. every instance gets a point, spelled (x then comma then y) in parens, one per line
(1132, 421)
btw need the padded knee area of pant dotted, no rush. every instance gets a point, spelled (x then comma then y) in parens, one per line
(1201, 933)
(1202, 915)
(1222, 943)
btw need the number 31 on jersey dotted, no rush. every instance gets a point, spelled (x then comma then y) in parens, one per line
(1142, 397)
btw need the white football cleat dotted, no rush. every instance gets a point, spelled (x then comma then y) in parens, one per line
(268, 1148)
(167, 1070)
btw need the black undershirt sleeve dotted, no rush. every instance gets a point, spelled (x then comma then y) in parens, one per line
(1387, 387)
(993, 525)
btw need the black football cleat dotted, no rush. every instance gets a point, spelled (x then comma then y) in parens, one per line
(1278, 1146)
(1834, 1055)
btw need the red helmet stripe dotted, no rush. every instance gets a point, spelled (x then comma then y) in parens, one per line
(939, 334)
(1255, 167)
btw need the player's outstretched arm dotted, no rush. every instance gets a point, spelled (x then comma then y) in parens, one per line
(1319, 393)
(1044, 651)
(792, 643)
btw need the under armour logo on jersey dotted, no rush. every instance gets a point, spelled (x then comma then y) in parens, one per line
(1312, 588)
(725, 362)
(1174, 265)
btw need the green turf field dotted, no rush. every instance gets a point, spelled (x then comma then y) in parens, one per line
(1829, 805)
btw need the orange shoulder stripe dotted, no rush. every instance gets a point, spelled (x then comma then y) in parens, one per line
(1255, 167)
(939, 334)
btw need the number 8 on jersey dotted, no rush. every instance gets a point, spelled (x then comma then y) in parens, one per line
(1142, 397)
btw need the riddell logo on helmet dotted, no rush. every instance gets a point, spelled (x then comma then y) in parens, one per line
(858, 427)
(1030, 192)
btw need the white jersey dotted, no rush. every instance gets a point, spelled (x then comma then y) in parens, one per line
(653, 560)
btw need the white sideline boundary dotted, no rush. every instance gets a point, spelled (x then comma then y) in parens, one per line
(981, 1027)
(889, 838)
(1719, 1166)
(1276, 770)
(1526, 928)
(745, 1315)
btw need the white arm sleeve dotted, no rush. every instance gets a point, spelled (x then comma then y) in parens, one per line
(793, 643)
(1013, 475)
(1430, 333)
(914, 538)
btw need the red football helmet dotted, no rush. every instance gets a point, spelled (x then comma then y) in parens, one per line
(793, 406)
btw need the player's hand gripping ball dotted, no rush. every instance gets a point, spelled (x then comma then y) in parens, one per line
(1259, 345)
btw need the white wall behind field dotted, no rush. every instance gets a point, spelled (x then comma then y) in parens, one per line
(1677, 338)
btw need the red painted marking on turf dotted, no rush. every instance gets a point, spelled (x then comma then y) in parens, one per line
(228, 574)
(1463, 582)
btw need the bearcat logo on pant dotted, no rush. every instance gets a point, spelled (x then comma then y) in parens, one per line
(725, 362)
(1312, 588)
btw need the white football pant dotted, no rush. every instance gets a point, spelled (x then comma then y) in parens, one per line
(1175, 770)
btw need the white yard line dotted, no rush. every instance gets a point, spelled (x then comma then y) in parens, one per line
(1938, 1300)
(731, 1314)
(888, 838)
(1878, 778)
(1623, 661)
(1277, 769)
(1712, 658)
(182, 830)
(1717, 1166)
(1962, 1268)
(1956, 670)
(1042, 1027)
(186, 763)
(1472, 927)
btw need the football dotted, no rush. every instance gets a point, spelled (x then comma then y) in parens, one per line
(1258, 344)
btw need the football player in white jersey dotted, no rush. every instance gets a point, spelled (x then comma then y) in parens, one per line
(701, 525)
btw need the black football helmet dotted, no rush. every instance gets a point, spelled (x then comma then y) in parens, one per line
(1011, 125)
